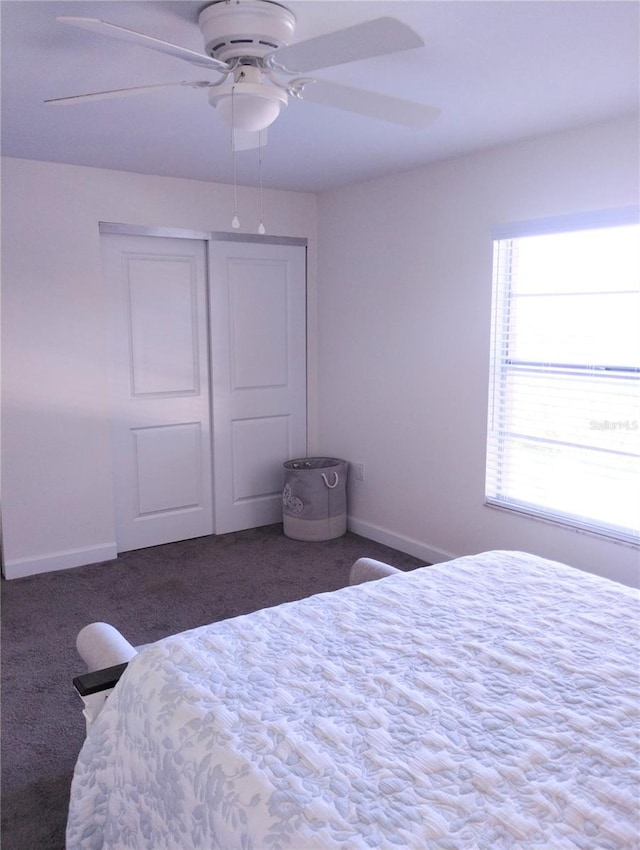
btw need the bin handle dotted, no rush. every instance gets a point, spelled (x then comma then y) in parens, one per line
(326, 481)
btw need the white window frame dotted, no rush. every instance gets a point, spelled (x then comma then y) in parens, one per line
(502, 365)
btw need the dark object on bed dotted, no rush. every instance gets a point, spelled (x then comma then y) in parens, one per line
(99, 680)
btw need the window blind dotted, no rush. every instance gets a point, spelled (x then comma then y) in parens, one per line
(564, 404)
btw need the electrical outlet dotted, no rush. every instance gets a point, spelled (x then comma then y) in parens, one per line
(358, 471)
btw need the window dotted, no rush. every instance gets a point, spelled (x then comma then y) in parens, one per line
(564, 406)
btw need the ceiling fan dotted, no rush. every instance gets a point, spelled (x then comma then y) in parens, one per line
(248, 43)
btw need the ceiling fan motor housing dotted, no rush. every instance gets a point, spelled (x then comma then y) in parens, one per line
(238, 28)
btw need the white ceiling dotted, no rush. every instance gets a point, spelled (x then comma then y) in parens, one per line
(500, 71)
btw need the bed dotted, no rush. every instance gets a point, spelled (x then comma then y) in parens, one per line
(489, 702)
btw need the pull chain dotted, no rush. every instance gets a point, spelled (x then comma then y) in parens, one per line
(261, 227)
(235, 221)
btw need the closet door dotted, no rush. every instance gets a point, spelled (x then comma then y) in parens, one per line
(259, 377)
(160, 411)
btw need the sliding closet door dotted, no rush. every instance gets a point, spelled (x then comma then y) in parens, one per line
(157, 295)
(258, 345)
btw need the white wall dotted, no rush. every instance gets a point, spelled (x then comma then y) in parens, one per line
(402, 331)
(404, 289)
(56, 474)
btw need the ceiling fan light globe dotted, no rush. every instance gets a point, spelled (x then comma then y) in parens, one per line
(247, 106)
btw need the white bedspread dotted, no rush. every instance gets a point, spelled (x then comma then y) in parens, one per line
(487, 703)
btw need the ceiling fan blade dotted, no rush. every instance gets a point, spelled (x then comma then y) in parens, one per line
(124, 34)
(361, 41)
(104, 95)
(248, 140)
(369, 103)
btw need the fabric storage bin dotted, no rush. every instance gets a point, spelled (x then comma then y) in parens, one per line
(314, 499)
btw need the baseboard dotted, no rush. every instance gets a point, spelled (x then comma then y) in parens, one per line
(23, 567)
(398, 541)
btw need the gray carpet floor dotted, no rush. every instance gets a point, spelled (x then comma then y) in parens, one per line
(147, 595)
